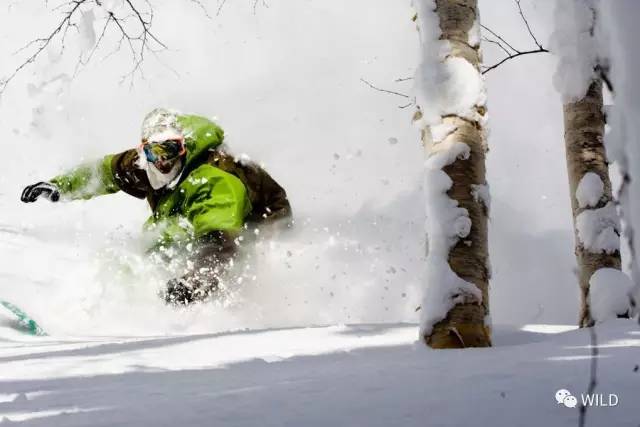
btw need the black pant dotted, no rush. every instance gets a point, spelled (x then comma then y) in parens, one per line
(211, 259)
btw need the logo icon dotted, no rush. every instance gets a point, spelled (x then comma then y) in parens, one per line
(565, 397)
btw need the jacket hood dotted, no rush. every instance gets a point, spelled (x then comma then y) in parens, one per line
(200, 134)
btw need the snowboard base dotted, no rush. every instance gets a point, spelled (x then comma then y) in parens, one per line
(22, 321)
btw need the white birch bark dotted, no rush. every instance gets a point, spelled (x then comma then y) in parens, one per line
(595, 218)
(451, 116)
(597, 242)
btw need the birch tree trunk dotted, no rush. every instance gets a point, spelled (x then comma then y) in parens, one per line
(583, 134)
(455, 148)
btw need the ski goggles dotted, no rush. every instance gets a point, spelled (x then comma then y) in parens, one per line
(163, 151)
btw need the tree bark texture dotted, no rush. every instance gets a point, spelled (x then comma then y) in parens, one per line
(464, 325)
(583, 134)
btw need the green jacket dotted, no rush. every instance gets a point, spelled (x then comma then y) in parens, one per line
(215, 193)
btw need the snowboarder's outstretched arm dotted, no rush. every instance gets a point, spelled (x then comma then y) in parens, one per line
(108, 175)
(82, 182)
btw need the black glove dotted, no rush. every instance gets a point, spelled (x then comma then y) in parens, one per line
(45, 189)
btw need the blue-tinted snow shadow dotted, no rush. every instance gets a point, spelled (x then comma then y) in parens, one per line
(502, 336)
(165, 341)
(380, 386)
(507, 335)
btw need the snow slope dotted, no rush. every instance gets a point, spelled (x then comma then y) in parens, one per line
(354, 375)
(117, 356)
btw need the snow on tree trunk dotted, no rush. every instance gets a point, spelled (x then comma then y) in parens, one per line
(596, 222)
(609, 294)
(451, 116)
(623, 52)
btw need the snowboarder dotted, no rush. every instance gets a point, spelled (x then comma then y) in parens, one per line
(200, 196)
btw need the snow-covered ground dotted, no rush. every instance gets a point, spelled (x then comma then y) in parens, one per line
(351, 375)
(117, 356)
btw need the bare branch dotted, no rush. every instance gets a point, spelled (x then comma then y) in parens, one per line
(44, 42)
(384, 90)
(99, 40)
(403, 79)
(220, 6)
(497, 64)
(496, 35)
(391, 92)
(134, 24)
(526, 23)
(202, 7)
(146, 26)
(506, 46)
(83, 62)
(497, 43)
(255, 5)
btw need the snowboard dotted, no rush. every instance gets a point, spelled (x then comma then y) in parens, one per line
(20, 320)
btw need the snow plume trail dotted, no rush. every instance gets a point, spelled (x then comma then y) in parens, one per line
(322, 271)
(339, 270)
(79, 268)
(353, 174)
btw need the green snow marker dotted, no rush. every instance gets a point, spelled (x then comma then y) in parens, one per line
(25, 322)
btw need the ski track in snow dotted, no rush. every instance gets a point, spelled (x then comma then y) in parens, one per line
(374, 375)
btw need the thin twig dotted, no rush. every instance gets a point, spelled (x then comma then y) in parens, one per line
(44, 43)
(526, 22)
(528, 52)
(84, 62)
(134, 24)
(384, 90)
(146, 25)
(255, 5)
(202, 7)
(499, 38)
(504, 49)
(220, 6)
(501, 43)
(391, 92)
